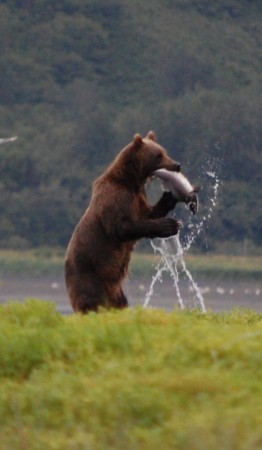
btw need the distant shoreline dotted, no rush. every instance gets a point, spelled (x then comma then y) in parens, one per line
(46, 262)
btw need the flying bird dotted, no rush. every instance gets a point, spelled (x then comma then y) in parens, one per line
(11, 139)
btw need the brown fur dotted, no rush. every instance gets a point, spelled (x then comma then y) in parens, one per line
(119, 214)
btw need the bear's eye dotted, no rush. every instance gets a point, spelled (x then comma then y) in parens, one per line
(159, 156)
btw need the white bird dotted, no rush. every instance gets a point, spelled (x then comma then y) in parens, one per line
(220, 290)
(5, 140)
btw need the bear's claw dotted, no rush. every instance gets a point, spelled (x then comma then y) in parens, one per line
(169, 227)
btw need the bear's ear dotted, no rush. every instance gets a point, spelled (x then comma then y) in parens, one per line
(151, 135)
(138, 141)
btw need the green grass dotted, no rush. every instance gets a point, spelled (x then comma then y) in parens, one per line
(35, 262)
(134, 379)
(41, 262)
(226, 266)
(211, 265)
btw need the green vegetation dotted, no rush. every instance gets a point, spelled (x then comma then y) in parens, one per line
(131, 379)
(50, 261)
(218, 266)
(233, 267)
(36, 262)
(79, 78)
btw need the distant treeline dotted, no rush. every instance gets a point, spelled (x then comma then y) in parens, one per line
(79, 77)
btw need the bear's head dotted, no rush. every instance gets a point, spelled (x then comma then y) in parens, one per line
(139, 159)
(152, 156)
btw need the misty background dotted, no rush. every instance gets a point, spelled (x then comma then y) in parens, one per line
(79, 77)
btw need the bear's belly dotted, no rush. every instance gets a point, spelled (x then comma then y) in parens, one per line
(114, 266)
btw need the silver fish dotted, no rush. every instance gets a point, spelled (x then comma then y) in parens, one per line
(180, 186)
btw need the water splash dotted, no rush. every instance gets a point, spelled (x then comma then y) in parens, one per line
(172, 261)
(168, 263)
(211, 182)
(172, 249)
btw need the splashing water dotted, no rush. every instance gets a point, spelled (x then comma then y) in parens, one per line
(172, 249)
(172, 261)
(197, 224)
(169, 261)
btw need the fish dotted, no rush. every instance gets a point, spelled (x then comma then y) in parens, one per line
(4, 140)
(181, 188)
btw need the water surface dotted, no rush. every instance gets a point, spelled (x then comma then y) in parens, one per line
(218, 295)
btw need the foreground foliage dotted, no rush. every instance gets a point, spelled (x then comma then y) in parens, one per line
(131, 379)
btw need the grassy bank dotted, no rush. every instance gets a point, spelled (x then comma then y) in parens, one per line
(40, 262)
(219, 266)
(35, 262)
(135, 379)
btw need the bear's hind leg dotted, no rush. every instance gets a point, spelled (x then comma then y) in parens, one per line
(84, 302)
(122, 300)
(117, 300)
(86, 296)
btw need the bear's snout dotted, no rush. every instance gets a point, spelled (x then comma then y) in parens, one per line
(174, 167)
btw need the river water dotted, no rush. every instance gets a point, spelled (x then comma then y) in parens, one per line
(218, 295)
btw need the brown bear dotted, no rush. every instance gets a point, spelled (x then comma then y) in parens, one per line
(119, 214)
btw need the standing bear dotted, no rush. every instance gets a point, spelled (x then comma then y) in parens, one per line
(119, 214)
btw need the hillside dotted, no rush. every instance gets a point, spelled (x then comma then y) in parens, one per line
(78, 78)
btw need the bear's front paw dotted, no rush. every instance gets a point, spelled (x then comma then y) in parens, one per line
(169, 227)
(168, 200)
